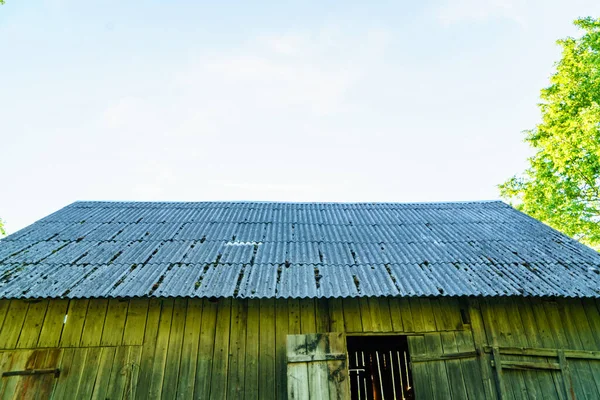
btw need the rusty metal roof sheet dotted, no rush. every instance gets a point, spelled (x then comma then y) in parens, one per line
(293, 250)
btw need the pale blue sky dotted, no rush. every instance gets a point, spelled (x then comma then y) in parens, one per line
(287, 100)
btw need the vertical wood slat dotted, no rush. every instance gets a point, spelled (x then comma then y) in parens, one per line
(159, 359)
(473, 378)
(562, 341)
(73, 327)
(94, 323)
(252, 348)
(220, 362)
(205, 350)
(116, 315)
(175, 343)
(189, 353)
(53, 324)
(13, 322)
(420, 372)
(150, 336)
(532, 332)
(135, 321)
(32, 326)
(456, 379)
(281, 331)
(352, 317)
(297, 373)
(480, 338)
(266, 356)
(499, 374)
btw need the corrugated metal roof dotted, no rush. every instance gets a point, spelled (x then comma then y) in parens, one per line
(293, 250)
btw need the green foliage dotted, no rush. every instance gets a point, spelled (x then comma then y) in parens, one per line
(2, 231)
(562, 184)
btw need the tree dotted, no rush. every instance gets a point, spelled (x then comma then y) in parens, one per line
(561, 187)
(2, 231)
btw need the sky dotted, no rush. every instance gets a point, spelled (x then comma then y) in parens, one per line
(401, 101)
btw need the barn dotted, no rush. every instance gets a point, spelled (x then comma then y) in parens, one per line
(249, 300)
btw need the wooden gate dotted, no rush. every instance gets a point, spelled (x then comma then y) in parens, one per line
(316, 366)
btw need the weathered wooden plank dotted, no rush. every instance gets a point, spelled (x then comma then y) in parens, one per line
(148, 349)
(205, 350)
(474, 382)
(73, 327)
(251, 389)
(497, 361)
(337, 370)
(318, 386)
(3, 310)
(352, 317)
(307, 316)
(417, 315)
(119, 374)
(517, 330)
(365, 315)
(297, 373)
(427, 312)
(549, 382)
(114, 324)
(220, 364)
(134, 359)
(74, 373)
(495, 319)
(160, 352)
(17, 361)
(105, 365)
(89, 372)
(135, 323)
(189, 353)
(316, 357)
(65, 363)
(453, 367)
(94, 323)
(11, 330)
(544, 337)
(322, 323)
(421, 378)
(567, 378)
(281, 331)
(529, 365)
(406, 314)
(480, 339)
(53, 324)
(385, 319)
(578, 334)
(447, 314)
(175, 343)
(32, 326)
(336, 315)
(266, 357)
(437, 370)
(555, 321)
(27, 386)
(44, 385)
(395, 314)
(38, 386)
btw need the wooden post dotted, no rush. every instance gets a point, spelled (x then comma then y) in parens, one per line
(498, 366)
(567, 380)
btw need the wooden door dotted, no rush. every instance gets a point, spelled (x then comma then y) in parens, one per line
(445, 366)
(317, 366)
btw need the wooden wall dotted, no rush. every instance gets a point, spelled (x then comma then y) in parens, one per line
(198, 348)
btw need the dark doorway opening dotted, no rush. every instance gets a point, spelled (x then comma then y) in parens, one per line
(379, 368)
